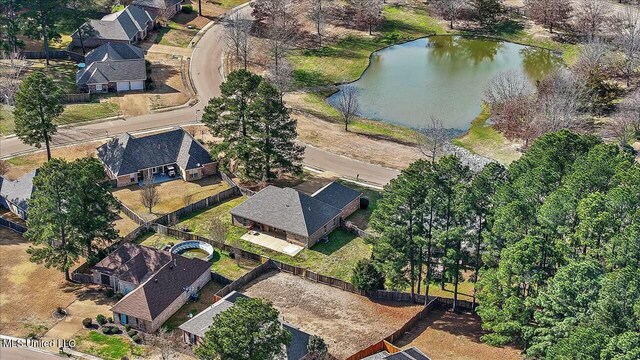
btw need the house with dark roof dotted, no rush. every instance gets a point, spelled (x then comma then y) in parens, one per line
(412, 353)
(165, 9)
(130, 159)
(112, 67)
(295, 216)
(15, 195)
(129, 25)
(193, 330)
(156, 283)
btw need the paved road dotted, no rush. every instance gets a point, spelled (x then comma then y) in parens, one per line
(25, 354)
(206, 72)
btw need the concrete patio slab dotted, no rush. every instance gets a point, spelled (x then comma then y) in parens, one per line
(273, 243)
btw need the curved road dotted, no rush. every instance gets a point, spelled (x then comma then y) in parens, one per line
(206, 73)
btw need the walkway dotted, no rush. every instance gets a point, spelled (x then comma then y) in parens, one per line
(273, 243)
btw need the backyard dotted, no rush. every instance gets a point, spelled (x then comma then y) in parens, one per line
(346, 321)
(173, 195)
(444, 335)
(191, 308)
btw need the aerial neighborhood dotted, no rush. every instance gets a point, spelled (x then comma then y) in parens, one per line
(320, 180)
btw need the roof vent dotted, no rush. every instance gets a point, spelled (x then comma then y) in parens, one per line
(175, 262)
(156, 280)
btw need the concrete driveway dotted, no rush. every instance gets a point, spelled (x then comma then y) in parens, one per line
(273, 243)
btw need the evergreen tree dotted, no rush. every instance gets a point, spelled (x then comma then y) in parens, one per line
(37, 106)
(42, 21)
(10, 27)
(486, 11)
(366, 276)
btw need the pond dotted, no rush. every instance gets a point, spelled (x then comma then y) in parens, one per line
(441, 76)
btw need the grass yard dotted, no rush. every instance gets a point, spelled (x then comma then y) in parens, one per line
(444, 335)
(63, 72)
(175, 34)
(335, 258)
(124, 225)
(109, 347)
(484, 140)
(173, 195)
(7, 125)
(29, 292)
(191, 308)
(361, 217)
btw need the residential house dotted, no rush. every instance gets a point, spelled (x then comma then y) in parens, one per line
(112, 67)
(157, 283)
(165, 9)
(130, 25)
(193, 331)
(15, 195)
(412, 353)
(295, 216)
(130, 159)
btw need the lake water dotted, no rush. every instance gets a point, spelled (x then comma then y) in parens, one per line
(441, 76)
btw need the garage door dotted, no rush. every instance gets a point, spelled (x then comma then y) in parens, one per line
(123, 86)
(137, 85)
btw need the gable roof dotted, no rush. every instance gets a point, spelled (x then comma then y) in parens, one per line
(102, 72)
(336, 195)
(121, 25)
(19, 191)
(199, 324)
(287, 209)
(158, 4)
(126, 154)
(171, 281)
(133, 263)
(412, 353)
(114, 51)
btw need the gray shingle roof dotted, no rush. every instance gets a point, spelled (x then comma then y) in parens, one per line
(121, 25)
(18, 191)
(200, 323)
(170, 282)
(127, 154)
(158, 4)
(133, 263)
(412, 353)
(287, 209)
(114, 51)
(101, 72)
(336, 195)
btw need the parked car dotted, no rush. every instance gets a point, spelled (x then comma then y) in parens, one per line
(171, 171)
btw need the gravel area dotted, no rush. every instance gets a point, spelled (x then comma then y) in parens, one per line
(346, 321)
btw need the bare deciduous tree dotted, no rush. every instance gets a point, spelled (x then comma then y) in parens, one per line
(317, 14)
(237, 36)
(593, 60)
(558, 104)
(628, 41)
(450, 9)
(368, 13)
(281, 76)
(550, 13)
(621, 128)
(590, 17)
(435, 138)
(165, 344)
(149, 196)
(630, 108)
(12, 66)
(348, 104)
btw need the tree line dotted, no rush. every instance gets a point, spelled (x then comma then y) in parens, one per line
(552, 243)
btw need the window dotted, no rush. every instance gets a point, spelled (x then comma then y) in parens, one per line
(155, 170)
(98, 87)
(133, 178)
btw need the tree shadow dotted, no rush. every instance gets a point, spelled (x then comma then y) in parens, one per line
(337, 239)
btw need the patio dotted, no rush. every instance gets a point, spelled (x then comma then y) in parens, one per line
(160, 178)
(272, 243)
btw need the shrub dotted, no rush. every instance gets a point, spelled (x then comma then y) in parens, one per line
(118, 296)
(187, 9)
(106, 330)
(100, 319)
(367, 277)
(115, 330)
(136, 338)
(127, 327)
(87, 322)
(132, 333)
(364, 203)
(110, 320)
(317, 345)
(109, 292)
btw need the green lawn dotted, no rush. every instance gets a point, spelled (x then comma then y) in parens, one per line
(361, 217)
(109, 347)
(229, 4)
(174, 34)
(7, 125)
(335, 258)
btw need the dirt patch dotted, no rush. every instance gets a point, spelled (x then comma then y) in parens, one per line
(445, 335)
(21, 165)
(346, 321)
(30, 292)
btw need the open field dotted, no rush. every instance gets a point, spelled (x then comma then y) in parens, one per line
(173, 195)
(444, 335)
(346, 321)
(30, 292)
(335, 258)
(21, 165)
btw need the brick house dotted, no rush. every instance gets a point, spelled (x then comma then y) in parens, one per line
(130, 25)
(112, 67)
(156, 283)
(165, 9)
(130, 159)
(295, 216)
(15, 195)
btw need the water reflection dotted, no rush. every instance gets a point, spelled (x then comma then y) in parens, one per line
(443, 76)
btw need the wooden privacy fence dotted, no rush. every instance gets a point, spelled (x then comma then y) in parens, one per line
(75, 98)
(197, 206)
(243, 280)
(353, 228)
(54, 54)
(374, 349)
(132, 215)
(12, 225)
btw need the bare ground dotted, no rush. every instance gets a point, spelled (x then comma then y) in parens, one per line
(445, 335)
(346, 321)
